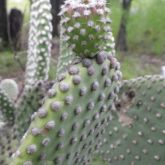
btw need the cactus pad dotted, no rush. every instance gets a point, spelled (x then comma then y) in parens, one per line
(137, 136)
(86, 26)
(68, 126)
(7, 108)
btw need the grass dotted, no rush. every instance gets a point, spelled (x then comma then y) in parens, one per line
(139, 65)
(146, 25)
(7, 63)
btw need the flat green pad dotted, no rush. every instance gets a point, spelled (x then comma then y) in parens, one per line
(139, 137)
(68, 127)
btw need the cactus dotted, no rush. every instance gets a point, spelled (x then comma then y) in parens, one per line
(85, 26)
(78, 115)
(39, 51)
(136, 134)
(85, 91)
(10, 87)
(38, 60)
(85, 30)
(27, 104)
(8, 143)
(59, 118)
(7, 108)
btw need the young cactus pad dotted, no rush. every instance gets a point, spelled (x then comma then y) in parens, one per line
(137, 136)
(85, 26)
(66, 129)
(10, 87)
(7, 108)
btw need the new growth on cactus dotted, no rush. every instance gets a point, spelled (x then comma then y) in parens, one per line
(83, 113)
(85, 25)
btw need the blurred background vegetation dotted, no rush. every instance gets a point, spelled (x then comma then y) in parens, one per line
(138, 27)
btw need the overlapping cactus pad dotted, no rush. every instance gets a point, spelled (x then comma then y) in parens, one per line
(67, 127)
(137, 134)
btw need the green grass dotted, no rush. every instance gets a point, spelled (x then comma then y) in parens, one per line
(137, 65)
(146, 26)
(7, 63)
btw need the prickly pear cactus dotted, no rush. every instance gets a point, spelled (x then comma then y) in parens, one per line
(67, 127)
(85, 30)
(86, 24)
(137, 134)
(74, 119)
(69, 124)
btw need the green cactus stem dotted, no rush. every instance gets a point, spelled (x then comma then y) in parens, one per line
(136, 136)
(69, 124)
(39, 51)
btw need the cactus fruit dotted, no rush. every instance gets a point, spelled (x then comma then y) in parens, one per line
(67, 127)
(10, 87)
(39, 51)
(136, 136)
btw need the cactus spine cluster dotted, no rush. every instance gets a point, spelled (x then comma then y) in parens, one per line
(83, 113)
